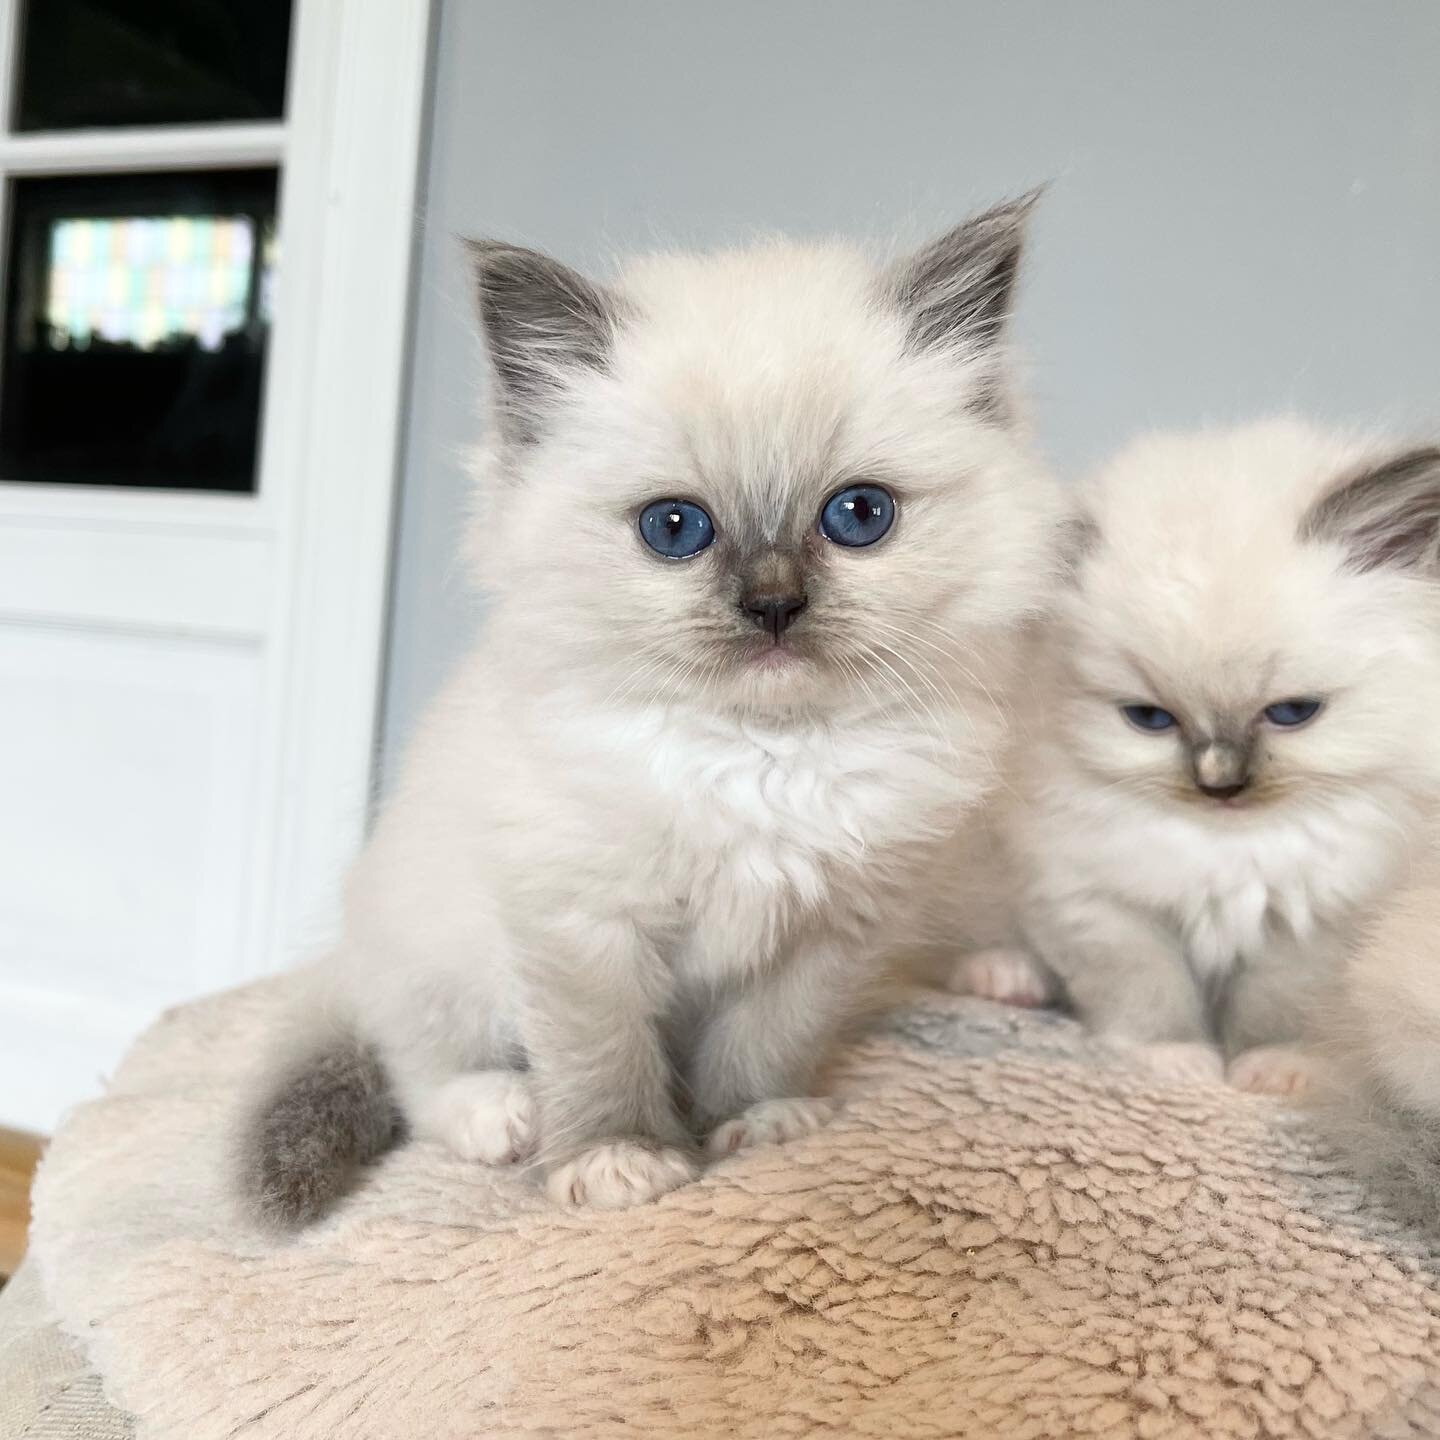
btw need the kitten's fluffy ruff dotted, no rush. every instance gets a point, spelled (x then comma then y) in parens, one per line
(1226, 571)
(628, 849)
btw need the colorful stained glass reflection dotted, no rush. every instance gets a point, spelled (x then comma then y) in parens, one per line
(136, 323)
(145, 280)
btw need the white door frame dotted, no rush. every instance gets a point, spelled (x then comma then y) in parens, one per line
(334, 415)
(309, 552)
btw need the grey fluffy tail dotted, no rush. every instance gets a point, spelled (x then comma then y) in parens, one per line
(330, 1113)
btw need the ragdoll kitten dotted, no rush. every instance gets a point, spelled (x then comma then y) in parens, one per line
(1382, 1035)
(759, 528)
(1230, 739)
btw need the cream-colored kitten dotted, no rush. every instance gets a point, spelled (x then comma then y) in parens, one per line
(758, 532)
(1230, 741)
(1382, 1033)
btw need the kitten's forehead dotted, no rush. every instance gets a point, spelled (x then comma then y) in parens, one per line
(768, 486)
(775, 375)
(1197, 567)
(1206, 493)
(1214, 686)
(1215, 653)
(755, 348)
(750, 301)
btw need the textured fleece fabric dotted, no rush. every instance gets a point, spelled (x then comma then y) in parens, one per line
(1005, 1232)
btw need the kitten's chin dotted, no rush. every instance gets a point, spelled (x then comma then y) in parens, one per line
(777, 677)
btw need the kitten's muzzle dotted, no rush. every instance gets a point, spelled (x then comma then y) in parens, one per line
(1220, 768)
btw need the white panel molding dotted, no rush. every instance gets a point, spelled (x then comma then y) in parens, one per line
(101, 507)
(208, 584)
(156, 147)
(67, 1037)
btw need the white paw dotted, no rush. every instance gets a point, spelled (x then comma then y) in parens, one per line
(619, 1174)
(1010, 976)
(1273, 1070)
(770, 1122)
(1185, 1062)
(487, 1115)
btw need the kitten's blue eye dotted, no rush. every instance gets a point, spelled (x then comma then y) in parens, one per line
(857, 515)
(1292, 712)
(676, 529)
(1149, 717)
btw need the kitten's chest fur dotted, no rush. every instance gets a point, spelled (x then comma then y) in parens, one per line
(778, 832)
(1246, 893)
(1230, 895)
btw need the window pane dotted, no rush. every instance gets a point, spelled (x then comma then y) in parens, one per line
(136, 321)
(150, 62)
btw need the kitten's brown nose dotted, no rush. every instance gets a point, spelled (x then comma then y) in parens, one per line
(774, 613)
(772, 589)
(1221, 769)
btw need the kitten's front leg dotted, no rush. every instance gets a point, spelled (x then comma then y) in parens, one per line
(486, 1115)
(609, 1129)
(454, 1068)
(1127, 978)
(1267, 1014)
(756, 1056)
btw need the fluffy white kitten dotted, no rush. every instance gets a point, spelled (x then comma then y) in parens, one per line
(1229, 743)
(758, 529)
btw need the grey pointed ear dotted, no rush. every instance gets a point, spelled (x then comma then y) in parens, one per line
(1389, 514)
(958, 290)
(540, 319)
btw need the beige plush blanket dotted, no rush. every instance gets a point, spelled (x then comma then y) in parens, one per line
(1004, 1233)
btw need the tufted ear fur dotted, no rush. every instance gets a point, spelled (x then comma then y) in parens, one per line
(541, 319)
(1388, 515)
(958, 289)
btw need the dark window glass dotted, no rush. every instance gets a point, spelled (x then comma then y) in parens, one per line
(150, 62)
(136, 321)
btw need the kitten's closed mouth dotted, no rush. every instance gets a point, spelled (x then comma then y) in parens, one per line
(1245, 802)
(775, 657)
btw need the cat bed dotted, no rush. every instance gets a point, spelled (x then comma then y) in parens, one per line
(1004, 1232)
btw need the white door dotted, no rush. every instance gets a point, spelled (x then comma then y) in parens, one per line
(205, 247)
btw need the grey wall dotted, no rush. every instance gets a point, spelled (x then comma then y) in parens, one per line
(1246, 212)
